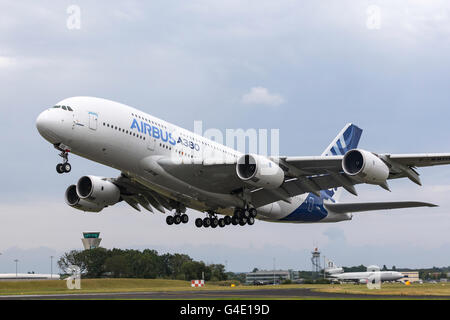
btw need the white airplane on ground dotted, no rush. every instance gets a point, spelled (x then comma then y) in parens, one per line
(166, 167)
(373, 273)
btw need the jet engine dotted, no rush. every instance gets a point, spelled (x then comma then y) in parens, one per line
(98, 190)
(73, 200)
(259, 171)
(365, 167)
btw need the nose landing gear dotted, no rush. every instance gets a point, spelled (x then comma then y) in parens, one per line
(65, 166)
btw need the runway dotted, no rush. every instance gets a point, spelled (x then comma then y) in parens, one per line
(292, 293)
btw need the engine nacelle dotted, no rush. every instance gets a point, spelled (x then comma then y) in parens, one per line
(73, 200)
(259, 171)
(98, 190)
(365, 166)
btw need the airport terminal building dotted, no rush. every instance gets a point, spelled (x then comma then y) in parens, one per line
(270, 276)
(411, 276)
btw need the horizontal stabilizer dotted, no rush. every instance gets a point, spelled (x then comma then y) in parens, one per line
(371, 206)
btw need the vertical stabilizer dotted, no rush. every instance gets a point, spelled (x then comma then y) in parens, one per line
(346, 140)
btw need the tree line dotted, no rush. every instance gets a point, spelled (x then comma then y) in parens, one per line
(118, 263)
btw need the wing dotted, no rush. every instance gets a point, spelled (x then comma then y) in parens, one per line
(372, 206)
(302, 174)
(137, 195)
(312, 174)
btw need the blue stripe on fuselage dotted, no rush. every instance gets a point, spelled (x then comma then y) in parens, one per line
(312, 209)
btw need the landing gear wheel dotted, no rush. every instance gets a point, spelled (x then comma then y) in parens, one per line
(199, 222)
(177, 219)
(252, 212)
(184, 218)
(242, 221)
(206, 222)
(227, 220)
(214, 222)
(251, 221)
(66, 167)
(234, 221)
(222, 222)
(169, 220)
(59, 168)
(245, 214)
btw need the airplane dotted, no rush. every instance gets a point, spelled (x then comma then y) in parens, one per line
(165, 167)
(372, 273)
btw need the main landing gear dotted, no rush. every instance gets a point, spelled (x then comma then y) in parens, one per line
(177, 218)
(240, 217)
(65, 166)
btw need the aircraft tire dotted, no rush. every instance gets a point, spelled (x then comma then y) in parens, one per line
(252, 212)
(66, 167)
(234, 221)
(199, 222)
(227, 220)
(59, 168)
(169, 220)
(184, 218)
(222, 222)
(251, 221)
(177, 219)
(206, 222)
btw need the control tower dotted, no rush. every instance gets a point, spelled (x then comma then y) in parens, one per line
(91, 240)
(315, 260)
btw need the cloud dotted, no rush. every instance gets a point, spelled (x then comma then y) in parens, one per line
(6, 62)
(261, 96)
(335, 234)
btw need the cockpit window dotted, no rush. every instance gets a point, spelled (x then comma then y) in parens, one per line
(67, 108)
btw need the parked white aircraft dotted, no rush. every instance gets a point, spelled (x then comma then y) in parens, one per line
(28, 276)
(166, 167)
(373, 273)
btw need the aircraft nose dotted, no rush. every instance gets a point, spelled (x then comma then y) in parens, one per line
(45, 125)
(42, 122)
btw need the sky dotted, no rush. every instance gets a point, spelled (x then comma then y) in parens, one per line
(304, 67)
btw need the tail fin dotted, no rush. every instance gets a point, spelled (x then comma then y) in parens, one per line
(331, 268)
(346, 140)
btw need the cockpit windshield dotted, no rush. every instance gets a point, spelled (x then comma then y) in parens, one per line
(66, 108)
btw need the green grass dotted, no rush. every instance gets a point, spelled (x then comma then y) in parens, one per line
(111, 285)
(415, 289)
(157, 285)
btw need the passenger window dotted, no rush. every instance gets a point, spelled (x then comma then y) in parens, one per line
(56, 107)
(69, 108)
(64, 108)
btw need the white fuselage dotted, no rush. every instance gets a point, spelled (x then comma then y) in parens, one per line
(358, 276)
(133, 141)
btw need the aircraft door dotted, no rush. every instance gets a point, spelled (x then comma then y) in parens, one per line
(93, 119)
